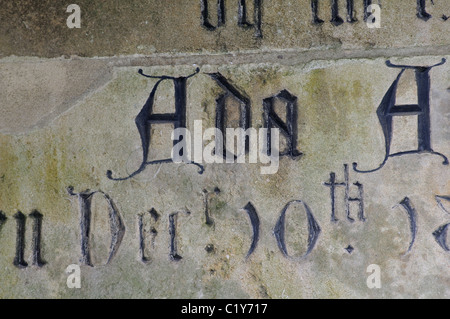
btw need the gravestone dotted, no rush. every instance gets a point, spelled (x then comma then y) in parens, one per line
(118, 177)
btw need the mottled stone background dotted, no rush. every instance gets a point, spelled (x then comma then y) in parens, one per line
(69, 98)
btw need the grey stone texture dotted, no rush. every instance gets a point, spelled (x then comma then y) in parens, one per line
(69, 99)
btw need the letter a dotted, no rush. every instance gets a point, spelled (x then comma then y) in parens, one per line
(74, 20)
(374, 279)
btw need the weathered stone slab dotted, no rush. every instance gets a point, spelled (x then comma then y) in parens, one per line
(226, 223)
(45, 89)
(30, 28)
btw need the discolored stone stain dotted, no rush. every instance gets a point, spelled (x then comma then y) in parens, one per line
(8, 168)
(221, 267)
(219, 205)
(268, 75)
(329, 103)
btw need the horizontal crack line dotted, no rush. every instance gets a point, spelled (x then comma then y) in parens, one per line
(279, 56)
(283, 57)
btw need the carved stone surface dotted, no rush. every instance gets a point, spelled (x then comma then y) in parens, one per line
(87, 177)
(153, 26)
